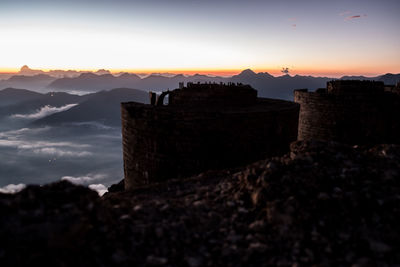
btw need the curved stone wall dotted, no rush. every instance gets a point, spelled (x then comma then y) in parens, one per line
(164, 142)
(349, 118)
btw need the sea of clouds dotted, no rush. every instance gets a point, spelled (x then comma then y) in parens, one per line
(88, 154)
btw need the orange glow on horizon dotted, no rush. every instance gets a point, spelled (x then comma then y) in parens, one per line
(334, 73)
(8, 70)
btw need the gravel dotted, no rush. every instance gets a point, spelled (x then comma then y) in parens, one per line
(322, 204)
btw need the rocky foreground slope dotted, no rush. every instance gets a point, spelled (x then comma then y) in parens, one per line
(323, 204)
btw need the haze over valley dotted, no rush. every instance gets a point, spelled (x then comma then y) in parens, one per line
(53, 136)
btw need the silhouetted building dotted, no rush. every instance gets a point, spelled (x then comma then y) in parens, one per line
(393, 88)
(354, 112)
(203, 127)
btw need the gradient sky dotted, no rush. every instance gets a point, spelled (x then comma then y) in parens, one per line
(310, 37)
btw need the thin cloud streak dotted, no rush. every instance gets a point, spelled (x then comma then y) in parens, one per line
(38, 144)
(61, 153)
(355, 17)
(352, 17)
(84, 180)
(345, 13)
(16, 133)
(43, 112)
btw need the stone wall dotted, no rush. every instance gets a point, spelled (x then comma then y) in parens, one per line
(354, 118)
(164, 142)
(351, 87)
(213, 94)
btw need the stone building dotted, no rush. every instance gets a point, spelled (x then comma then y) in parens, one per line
(203, 127)
(354, 112)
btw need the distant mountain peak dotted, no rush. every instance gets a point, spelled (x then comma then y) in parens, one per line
(266, 74)
(25, 68)
(248, 72)
(87, 75)
(128, 76)
(102, 72)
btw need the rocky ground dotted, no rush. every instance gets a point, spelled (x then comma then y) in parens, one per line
(323, 204)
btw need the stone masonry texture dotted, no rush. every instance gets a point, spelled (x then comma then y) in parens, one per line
(204, 127)
(353, 112)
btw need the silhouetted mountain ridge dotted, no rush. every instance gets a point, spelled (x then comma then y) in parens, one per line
(248, 73)
(91, 82)
(11, 96)
(26, 71)
(102, 107)
(31, 105)
(267, 85)
(22, 78)
(390, 78)
(35, 82)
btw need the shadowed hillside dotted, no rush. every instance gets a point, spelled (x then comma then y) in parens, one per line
(10, 96)
(91, 82)
(103, 107)
(38, 101)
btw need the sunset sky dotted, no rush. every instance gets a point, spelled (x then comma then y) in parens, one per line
(309, 37)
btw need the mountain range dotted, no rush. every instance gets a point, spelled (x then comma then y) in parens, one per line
(58, 108)
(26, 71)
(11, 96)
(102, 107)
(36, 82)
(24, 102)
(267, 85)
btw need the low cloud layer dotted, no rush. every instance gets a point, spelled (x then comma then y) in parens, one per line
(99, 188)
(12, 188)
(84, 180)
(43, 112)
(46, 154)
(89, 180)
(14, 139)
(15, 188)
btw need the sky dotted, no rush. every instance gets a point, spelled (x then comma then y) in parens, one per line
(323, 38)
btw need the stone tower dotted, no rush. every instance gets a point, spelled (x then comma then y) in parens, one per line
(203, 127)
(354, 112)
